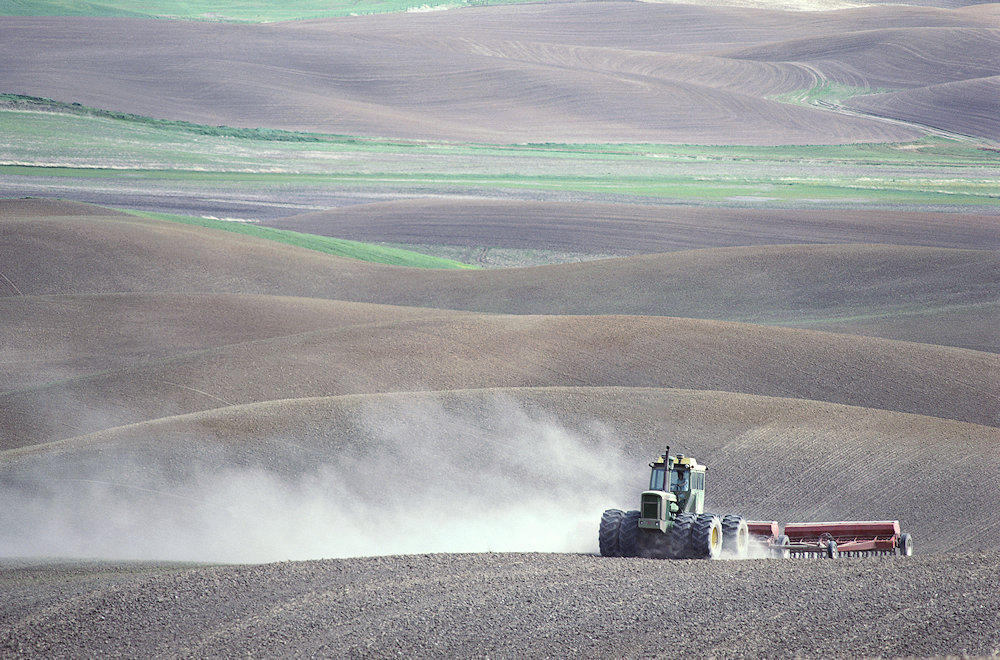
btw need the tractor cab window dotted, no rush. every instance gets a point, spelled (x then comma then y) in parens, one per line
(679, 480)
(656, 479)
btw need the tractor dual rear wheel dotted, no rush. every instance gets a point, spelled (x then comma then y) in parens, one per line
(735, 537)
(706, 537)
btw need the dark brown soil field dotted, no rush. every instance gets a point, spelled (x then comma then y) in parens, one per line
(176, 393)
(974, 103)
(213, 445)
(632, 229)
(510, 606)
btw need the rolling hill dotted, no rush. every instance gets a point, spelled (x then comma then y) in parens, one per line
(631, 229)
(772, 458)
(964, 106)
(99, 341)
(929, 288)
(561, 72)
(215, 444)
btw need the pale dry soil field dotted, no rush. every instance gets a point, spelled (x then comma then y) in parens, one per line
(560, 72)
(215, 445)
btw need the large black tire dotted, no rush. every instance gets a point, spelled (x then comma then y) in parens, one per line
(628, 535)
(706, 537)
(905, 545)
(735, 537)
(780, 548)
(680, 536)
(607, 537)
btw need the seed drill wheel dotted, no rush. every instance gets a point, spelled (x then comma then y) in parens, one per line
(607, 537)
(680, 536)
(905, 545)
(831, 551)
(735, 537)
(780, 548)
(706, 537)
(628, 535)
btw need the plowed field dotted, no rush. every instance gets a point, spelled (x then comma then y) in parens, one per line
(196, 395)
(590, 72)
(212, 444)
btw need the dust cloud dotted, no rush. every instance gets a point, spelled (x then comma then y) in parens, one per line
(415, 479)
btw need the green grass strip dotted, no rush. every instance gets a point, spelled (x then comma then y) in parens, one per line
(42, 104)
(48, 139)
(336, 246)
(23, 116)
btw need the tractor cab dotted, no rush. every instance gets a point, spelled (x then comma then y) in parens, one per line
(679, 474)
(676, 484)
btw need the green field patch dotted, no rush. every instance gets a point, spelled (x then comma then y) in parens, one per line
(874, 193)
(328, 245)
(827, 93)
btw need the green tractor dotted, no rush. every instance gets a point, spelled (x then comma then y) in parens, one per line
(671, 522)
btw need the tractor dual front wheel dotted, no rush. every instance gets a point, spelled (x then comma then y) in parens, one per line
(607, 537)
(680, 536)
(628, 535)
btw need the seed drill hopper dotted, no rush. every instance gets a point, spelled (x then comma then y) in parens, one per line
(671, 522)
(853, 538)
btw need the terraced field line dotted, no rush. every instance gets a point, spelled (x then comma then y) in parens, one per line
(819, 79)
(212, 396)
(12, 285)
(117, 484)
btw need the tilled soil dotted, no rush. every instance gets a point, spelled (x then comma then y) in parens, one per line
(565, 73)
(506, 605)
(572, 82)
